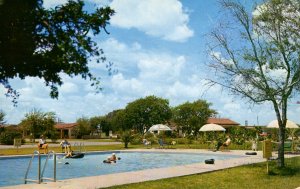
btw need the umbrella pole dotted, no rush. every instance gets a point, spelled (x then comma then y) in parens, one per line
(214, 139)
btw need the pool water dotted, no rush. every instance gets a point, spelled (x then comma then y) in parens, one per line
(13, 169)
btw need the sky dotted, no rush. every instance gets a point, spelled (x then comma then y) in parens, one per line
(157, 48)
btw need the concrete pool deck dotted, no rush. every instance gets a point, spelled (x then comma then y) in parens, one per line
(103, 181)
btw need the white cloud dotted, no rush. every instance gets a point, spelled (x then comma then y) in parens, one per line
(165, 19)
(68, 87)
(218, 56)
(52, 3)
(124, 86)
(232, 107)
(157, 67)
(124, 56)
(276, 75)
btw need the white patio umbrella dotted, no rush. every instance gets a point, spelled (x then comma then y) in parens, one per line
(212, 127)
(289, 124)
(159, 127)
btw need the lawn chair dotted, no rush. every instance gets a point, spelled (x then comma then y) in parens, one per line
(146, 143)
(44, 147)
(161, 143)
(173, 143)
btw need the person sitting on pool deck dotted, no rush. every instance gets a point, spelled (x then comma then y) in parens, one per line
(66, 145)
(43, 145)
(224, 144)
(69, 154)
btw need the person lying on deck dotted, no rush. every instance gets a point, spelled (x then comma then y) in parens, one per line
(223, 144)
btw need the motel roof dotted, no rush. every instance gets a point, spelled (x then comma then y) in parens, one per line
(222, 121)
(65, 125)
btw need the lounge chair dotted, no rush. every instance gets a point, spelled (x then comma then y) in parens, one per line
(161, 143)
(173, 142)
(44, 146)
(146, 142)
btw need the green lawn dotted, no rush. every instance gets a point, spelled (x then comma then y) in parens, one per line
(244, 177)
(21, 151)
(93, 140)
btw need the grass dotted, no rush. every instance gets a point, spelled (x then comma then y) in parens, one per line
(249, 176)
(75, 140)
(93, 140)
(22, 151)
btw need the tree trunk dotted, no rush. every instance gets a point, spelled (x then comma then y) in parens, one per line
(281, 118)
(280, 162)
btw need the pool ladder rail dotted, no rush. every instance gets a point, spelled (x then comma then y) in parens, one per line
(41, 177)
(79, 146)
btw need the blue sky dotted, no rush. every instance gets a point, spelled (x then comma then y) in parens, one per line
(158, 48)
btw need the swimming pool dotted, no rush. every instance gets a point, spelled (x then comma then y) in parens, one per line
(13, 169)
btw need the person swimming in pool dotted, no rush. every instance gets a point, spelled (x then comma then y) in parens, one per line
(112, 159)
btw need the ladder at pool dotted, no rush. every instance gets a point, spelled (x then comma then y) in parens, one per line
(41, 177)
(79, 146)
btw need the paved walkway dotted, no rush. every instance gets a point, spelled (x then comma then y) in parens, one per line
(150, 174)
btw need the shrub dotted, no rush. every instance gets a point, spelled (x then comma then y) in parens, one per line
(54, 136)
(201, 139)
(148, 135)
(7, 137)
(126, 138)
(169, 134)
(190, 139)
(151, 137)
(182, 141)
(136, 139)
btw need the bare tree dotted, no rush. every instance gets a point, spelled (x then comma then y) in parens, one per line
(256, 55)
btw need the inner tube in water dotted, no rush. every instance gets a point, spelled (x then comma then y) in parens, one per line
(251, 153)
(107, 161)
(209, 161)
(77, 155)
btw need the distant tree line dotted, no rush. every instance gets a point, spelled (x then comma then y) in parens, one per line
(137, 116)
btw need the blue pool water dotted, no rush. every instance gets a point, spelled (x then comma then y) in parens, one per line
(12, 170)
